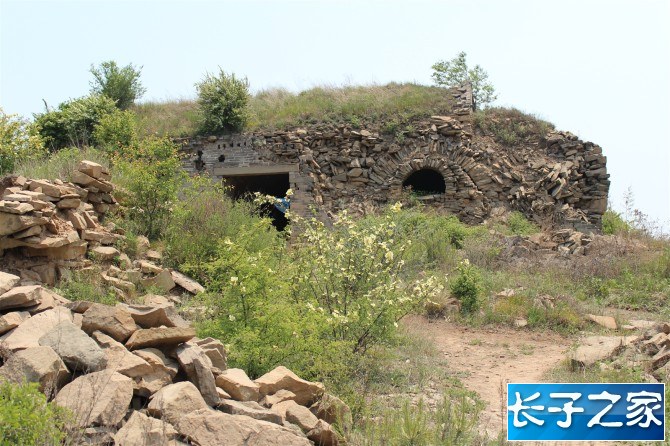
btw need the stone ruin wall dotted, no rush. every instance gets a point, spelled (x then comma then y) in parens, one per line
(560, 182)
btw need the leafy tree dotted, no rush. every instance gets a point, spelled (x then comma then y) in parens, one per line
(455, 72)
(19, 141)
(122, 84)
(151, 173)
(223, 101)
(74, 122)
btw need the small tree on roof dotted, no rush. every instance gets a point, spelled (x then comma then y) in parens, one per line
(455, 72)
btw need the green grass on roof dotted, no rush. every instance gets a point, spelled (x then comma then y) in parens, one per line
(393, 104)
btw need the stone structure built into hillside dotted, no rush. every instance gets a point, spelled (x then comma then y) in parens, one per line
(560, 181)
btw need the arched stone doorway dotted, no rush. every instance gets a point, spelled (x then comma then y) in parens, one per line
(425, 182)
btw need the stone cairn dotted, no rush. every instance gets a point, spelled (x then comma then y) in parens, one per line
(131, 373)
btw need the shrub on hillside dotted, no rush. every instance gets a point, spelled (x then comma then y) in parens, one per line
(74, 121)
(223, 102)
(26, 418)
(19, 142)
(151, 174)
(116, 130)
(204, 215)
(121, 84)
(518, 224)
(614, 224)
(314, 308)
(466, 287)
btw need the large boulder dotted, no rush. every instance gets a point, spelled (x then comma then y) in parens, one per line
(159, 337)
(172, 403)
(198, 368)
(150, 316)
(251, 409)
(76, 349)
(97, 399)
(238, 385)
(114, 321)
(36, 364)
(118, 358)
(331, 409)
(208, 427)
(306, 392)
(323, 434)
(21, 297)
(301, 417)
(12, 320)
(597, 348)
(163, 369)
(215, 350)
(30, 331)
(143, 430)
(7, 282)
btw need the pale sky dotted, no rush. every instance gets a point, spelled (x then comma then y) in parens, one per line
(600, 69)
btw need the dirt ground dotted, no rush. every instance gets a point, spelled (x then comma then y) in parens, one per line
(486, 358)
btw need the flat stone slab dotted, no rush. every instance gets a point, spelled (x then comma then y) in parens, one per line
(597, 348)
(159, 337)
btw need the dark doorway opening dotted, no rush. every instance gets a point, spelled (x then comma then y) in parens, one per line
(425, 182)
(245, 186)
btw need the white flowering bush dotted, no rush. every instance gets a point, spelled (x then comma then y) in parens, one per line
(352, 274)
(313, 305)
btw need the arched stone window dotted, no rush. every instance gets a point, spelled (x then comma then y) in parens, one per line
(425, 182)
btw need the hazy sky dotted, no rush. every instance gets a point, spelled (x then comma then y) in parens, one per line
(600, 69)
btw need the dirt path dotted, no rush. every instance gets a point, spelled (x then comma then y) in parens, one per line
(485, 358)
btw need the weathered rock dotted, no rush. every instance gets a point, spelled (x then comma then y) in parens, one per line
(150, 316)
(97, 399)
(93, 170)
(208, 427)
(250, 409)
(282, 407)
(114, 321)
(660, 359)
(7, 282)
(238, 385)
(301, 417)
(158, 337)
(20, 297)
(76, 349)
(605, 321)
(162, 280)
(30, 331)
(104, 253)
(198, 368)
(597, 348)
(187, 283)
(280, 396)
(119, 359)
(143, 430)
(332, 410)
(175, 401)
(215, 350)
(36, 364)
(47, 300)
(282, 378)
(323, 434)
(11, 223)
(12, 320)
(163, 370)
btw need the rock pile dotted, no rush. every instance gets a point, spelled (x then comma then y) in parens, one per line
(137, 374)
(563, 242)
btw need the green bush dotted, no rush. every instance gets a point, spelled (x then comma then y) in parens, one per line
(151, 174)
(614, 224)
(27, 419)
(19, 142)
(116, 131)
(223, 102)
(74, 122)
(202, 216)
(518, 224)
(122, 85)
(315, 308)
(466, 287)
